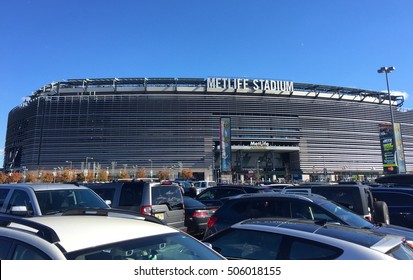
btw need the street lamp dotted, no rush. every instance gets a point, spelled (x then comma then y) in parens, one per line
(388, 70)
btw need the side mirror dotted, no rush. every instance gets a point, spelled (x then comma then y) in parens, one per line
(19, 211)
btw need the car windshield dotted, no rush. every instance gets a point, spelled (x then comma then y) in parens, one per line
(350, 218)
(56, 201)
(171, 246)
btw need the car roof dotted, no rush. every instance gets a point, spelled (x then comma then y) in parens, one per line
(239, 186)
(399, 179)
(44, 186)
(380, 241)
(79, 232)
(304, 196)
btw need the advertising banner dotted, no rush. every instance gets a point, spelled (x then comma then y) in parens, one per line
(400, 160)
(388, 148)
(225, 143)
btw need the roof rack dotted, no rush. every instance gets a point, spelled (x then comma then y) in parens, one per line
(112, 212)
(43, 231)
(300, 191)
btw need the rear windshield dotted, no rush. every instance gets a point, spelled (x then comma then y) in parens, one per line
(168, 195)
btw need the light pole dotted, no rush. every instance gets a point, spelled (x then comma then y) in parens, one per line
(151, 166)
(258, 171)
(386, 71)
(71, 164)
(87, 167)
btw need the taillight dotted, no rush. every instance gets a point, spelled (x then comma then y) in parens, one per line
(211, 222)
(146, 210)
(200, 214)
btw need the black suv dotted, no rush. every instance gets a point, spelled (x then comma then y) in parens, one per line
(164, 201)
(313, 207)
(399, 201)
(397, 191)
(356, 197)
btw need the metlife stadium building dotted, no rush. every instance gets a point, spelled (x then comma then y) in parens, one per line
(278, 129)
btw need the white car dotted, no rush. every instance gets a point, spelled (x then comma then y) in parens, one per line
(103, 234)
(294, 239)
(46, 199)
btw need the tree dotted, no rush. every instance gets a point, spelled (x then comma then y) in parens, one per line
(90, 177)
(3, 177)
(15, 177)
(163, 174)
(103, 176)
(187, 174)
(47, 177)
(123, 174)
(141, 173)
(67, 175)
(30, 177)
(80, 177)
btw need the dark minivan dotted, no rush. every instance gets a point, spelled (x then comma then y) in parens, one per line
(162, 200)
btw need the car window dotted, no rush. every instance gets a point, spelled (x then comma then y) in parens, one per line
(261, 208)
(20, 198)
(54, 201)
(5, 245)
(302, 249)
(394, 199)
(106, 193)
(247, 244)
(172, 246)
(208, 194)
(27, 252)
(131, 195)
(3, 195)
(227, 192)
(168, 195)
(343, 197)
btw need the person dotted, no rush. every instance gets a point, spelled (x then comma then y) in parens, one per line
(192, 191)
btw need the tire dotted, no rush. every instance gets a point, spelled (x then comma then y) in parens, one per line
(381, 212)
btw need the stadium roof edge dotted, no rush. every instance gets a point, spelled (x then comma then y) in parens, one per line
(53, 88)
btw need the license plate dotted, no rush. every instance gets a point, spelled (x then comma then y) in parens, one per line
(160, 216)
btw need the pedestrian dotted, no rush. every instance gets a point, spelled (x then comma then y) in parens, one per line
(192, 191)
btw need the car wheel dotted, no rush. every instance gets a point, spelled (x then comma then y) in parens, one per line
(381, 212)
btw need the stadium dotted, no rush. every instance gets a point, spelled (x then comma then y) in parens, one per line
(278, 129)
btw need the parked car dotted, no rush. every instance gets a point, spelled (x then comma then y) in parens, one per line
(162, 200)
(196, 216)
(287, 205)
(396, 180)
(46, 199)
(399, 201)
(214, 195)
(96, 235)
(286, 239)
(202, 185)
(356, 197)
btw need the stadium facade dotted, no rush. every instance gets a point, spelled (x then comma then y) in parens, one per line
(279, 129)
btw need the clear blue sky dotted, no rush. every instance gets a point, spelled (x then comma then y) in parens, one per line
(340, 43)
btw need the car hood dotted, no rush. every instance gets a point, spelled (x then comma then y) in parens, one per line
(395, 230)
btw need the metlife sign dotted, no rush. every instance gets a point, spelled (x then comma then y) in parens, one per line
(248, 84)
